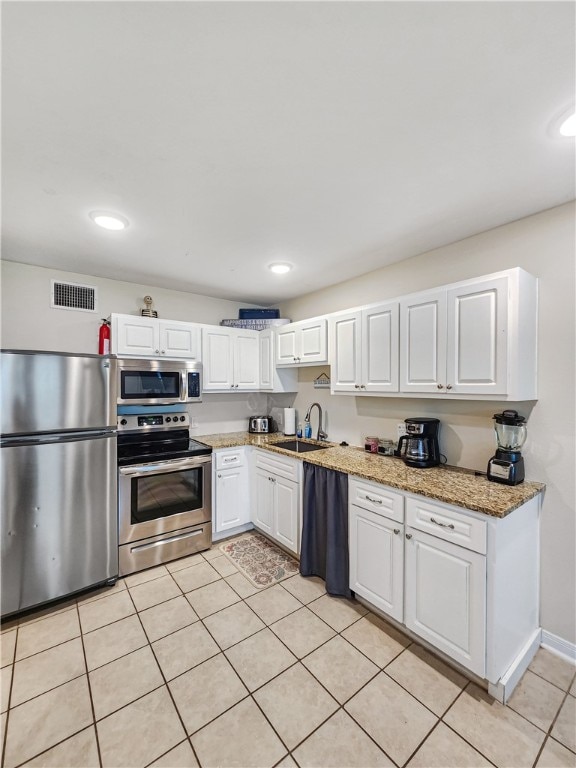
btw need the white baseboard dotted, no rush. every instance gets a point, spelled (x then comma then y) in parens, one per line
(559, 646)
(503, 689)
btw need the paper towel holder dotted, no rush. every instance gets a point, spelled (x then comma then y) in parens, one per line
(289, 421)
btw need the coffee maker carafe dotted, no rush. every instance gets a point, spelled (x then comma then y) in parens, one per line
(419, 446)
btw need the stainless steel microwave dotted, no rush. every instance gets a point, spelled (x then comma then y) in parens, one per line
(158, 382)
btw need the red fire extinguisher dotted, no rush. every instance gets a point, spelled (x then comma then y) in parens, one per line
(104, 338)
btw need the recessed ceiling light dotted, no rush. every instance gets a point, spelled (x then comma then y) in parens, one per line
(280, 269)
(568, 126)
(109, 220)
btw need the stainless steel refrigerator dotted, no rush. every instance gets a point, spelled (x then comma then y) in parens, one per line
(59, 527)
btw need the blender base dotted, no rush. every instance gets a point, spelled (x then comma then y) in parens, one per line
(506, 468)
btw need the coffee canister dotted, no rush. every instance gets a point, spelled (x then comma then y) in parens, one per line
(371, 444)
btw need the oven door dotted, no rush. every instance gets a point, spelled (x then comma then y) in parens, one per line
(163, 496)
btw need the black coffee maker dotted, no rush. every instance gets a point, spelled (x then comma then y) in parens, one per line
(419, 446)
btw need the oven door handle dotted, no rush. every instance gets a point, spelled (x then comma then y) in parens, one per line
(171, 465)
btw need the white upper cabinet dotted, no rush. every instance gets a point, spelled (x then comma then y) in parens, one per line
(150, 337)
(272, 379)
(231, 359)
(475, 338)
(364, 350)
(302, 343)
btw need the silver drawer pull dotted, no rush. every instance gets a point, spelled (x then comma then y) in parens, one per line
(169, 540)
(374, 501)
(396, 531)
(442, 525)
(408, 535)
(232, 459)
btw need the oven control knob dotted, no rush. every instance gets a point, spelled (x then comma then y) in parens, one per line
(169, 419)
(123, 422)
(182, 418)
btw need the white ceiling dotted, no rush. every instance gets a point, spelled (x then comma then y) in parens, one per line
(338, 136)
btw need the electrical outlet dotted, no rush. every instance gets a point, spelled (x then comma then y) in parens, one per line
(401, 429)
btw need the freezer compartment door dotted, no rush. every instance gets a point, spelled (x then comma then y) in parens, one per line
(59, 521)
(50, 392)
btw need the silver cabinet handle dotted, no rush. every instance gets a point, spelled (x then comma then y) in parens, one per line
(440, 386)
(219, 475)
(442, 525)
(157, 351)
(448, 386)
(374, 501)
(362, 386)
(408, 535)
(163, 351)
(396, 531)
(226, 461)
(356, 386)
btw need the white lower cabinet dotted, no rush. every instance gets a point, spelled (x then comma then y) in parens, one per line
(445, 598)
(231, 489)
(377, 560)
(464, 582)
(276, 510)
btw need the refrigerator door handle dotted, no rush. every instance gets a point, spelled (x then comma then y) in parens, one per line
(68, 437)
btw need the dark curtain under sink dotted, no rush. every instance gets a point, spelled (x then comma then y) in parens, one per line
(324, 550)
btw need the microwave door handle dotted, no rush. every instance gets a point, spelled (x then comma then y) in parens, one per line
(165, 466)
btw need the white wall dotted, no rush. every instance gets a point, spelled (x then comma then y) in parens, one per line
(544, 245)
(28, 321)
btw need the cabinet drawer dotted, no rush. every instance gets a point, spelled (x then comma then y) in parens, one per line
(377, 498)
(280, 465)
(227, 459)
(446, 523)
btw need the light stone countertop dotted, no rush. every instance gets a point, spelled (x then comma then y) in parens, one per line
(451, 485)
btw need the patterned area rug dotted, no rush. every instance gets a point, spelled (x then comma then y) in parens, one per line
(259, 560)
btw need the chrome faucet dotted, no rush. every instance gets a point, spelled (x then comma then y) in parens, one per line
(321, 434)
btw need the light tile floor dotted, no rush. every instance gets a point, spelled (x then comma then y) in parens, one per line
(189, 665)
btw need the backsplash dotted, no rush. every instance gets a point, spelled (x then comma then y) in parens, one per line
(466, 431)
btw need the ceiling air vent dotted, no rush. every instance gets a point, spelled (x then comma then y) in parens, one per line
(73, 296)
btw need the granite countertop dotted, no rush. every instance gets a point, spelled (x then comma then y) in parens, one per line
(451, 485)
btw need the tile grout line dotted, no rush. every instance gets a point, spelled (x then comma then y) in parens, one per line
(187, 737)
(5, 735)
(548, 733)
(89, 688)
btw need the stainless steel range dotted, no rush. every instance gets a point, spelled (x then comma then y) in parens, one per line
(164, 490)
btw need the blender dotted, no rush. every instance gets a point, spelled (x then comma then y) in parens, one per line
(507, 465)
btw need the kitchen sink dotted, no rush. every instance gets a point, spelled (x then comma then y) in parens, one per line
(298, 446)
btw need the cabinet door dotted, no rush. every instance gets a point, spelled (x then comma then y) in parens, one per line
(313, 341)
(217, 345)
(263, 509)
(423, 343)
(267, 361)
(478, 338)
(232, 507)
(345, 351)
(286, 346)
(445, 599)
(135, 336)
(377, 560)
(286, 508)
(180, 340)
(246, 360)
(380, 340)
